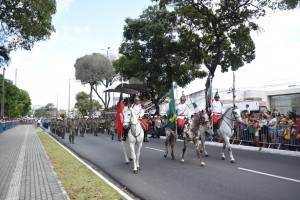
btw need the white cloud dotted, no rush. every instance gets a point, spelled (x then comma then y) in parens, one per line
(63, 5)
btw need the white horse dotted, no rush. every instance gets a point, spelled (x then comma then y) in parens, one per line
(135, 137)
(225, 131)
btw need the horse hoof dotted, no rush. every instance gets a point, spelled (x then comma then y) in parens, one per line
(165, 155)
(182, 161)
(232, 161)
(173, 158)
(135, 171)
(206, 155)
(130, 159)
(223, 158)
(127, 163)
(202, 164)
(201, 151)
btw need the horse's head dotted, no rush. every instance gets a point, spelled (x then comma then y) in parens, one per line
(204, 116)
(237, 115)
(129, 117)
(127, 113)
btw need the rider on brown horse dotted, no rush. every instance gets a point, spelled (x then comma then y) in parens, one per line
(183, 114)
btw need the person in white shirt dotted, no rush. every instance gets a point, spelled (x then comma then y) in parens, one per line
(138, 108)
(183, 114)
(216, 109)
(140, 112)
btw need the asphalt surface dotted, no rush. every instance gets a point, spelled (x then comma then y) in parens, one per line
(255, 175)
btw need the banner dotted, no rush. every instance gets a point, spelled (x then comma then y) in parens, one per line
(119, 115)
(209, 97)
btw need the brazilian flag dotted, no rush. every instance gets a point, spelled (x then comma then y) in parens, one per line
(172, 110)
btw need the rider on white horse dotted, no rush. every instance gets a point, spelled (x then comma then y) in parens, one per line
(217, 110)
(140, 112)
(183, 113)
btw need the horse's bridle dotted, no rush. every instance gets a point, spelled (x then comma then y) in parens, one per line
(130, 124)
(231, 119)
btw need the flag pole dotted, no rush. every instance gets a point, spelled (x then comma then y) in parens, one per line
(211, 91)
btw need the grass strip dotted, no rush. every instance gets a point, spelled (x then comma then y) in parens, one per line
(78, 181)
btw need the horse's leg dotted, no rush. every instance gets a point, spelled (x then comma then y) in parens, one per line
(166, 147)
(124, 151)
(138, 153)
(203, 138)
(196, 145)
(133, 156)
(185, 140)
(226, 140)
(172, 141)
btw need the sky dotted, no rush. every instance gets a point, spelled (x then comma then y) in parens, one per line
(86, 27)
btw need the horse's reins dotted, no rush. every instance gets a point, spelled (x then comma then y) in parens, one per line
(130, 124)
(233, 120)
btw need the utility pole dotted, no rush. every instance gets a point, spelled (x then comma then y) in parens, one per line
(3, 94)
(16, 77)
(233, 90)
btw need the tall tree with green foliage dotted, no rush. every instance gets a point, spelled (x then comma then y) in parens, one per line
(83, 104)
(154, 54)
(4, 56)
(17, 102)
(22, 23)
(46, 111)
(95, 69)
(221, 29)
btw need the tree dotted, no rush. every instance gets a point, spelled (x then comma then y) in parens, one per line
(24, 22)
(24, 102)
(83, 104)
(221, 29)
(46, 111)
(95, 69)
(4, 56)
(154, 54)
(17, 102)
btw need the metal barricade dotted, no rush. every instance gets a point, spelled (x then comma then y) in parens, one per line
(280, 137)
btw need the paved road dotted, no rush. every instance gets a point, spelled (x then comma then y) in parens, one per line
(256, 175)
(25, 171)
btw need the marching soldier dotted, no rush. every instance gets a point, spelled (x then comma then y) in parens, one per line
(72, 126)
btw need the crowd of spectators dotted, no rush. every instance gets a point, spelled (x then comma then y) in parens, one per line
(272, 129)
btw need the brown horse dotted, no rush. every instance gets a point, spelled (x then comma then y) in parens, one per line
(191, 132)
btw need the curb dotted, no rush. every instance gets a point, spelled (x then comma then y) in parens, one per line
(250, 148)
(122, 193)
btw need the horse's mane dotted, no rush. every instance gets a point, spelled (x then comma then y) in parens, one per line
(227, 110)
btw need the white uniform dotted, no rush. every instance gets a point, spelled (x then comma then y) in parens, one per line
(183, 110)
(217, 107)
(139, 110)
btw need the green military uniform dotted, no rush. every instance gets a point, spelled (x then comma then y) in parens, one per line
(72, 125)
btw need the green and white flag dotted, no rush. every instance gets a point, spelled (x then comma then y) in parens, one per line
(172, 110)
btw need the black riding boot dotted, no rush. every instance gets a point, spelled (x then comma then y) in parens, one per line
(146, 139)
(125, 135)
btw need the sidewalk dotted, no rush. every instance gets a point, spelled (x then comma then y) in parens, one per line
(25, 170)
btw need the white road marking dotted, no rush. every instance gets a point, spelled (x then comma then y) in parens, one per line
(14, 186)
(272, 175)
(154, 149)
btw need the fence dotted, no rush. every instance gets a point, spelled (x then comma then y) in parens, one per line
(7, 125)
(280, 137)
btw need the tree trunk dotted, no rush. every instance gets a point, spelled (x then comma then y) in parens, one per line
(91, 101)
